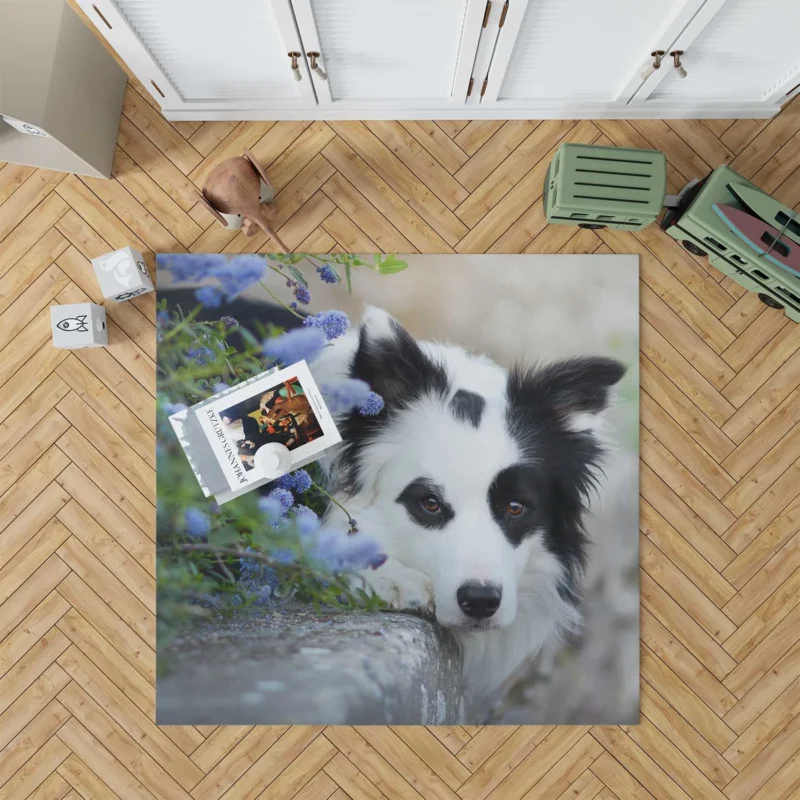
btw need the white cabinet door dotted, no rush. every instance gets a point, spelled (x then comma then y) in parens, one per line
(385, 54)
(194, 55)
(736, 52)
(578, 54)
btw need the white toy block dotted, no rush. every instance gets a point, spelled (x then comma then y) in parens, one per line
(122, 274)
(78, 325)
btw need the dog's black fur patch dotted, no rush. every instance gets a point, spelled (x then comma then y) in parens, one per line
(560, 466)
(468, 407)
(399, 371)
(411, 499)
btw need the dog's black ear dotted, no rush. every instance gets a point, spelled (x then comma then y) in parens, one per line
(579, 385)
(392, 363)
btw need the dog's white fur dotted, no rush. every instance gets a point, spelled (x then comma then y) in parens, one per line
(425, 567)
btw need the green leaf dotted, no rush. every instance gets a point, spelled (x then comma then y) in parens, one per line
(392, 265)
(296, 274)
(224, 536)
(347, 271)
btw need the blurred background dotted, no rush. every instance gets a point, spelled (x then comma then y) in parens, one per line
(538, 308)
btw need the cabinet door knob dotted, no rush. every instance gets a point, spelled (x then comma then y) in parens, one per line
(651, 68)
(676, 60)
(315, 68)
(296, 74)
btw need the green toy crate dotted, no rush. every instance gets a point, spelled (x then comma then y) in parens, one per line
(702, 232)
(596, 187)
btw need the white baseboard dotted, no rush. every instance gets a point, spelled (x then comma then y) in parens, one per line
(699, 111)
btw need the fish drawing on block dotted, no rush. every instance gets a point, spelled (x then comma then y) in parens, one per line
(77, 324)
(763, 238)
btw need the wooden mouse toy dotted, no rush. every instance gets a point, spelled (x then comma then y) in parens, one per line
(235, 192)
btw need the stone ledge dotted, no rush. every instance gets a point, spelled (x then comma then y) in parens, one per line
(289, 665)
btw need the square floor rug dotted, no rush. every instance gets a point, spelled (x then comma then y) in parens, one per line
(452, 535)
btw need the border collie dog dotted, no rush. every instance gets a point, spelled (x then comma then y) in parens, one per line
(474, 479)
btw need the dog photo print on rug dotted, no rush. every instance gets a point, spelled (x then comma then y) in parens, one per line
(461, 546)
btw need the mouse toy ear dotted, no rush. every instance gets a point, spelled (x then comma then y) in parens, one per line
(257, 167)
(214, 213)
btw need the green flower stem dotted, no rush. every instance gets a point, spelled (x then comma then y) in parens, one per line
(334, 501)
(278, 300)
(219, 551)
(185, 322)
(277, 270)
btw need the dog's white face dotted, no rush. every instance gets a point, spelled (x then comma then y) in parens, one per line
(472, 475)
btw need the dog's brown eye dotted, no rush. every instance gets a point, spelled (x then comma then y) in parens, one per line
(431, 504)
(515, 508)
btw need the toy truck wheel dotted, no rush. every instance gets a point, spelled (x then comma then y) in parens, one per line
(693, 248)
(592, 226)
(769, 301)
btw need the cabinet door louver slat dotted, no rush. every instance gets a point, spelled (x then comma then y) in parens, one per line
(748, 50)
(379, 50)
(212, 50)
(582, 50)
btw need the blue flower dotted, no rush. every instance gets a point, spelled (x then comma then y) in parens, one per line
(174, 408)
(258, 578)
(301, 344)
(162, 319)
(209, 296)
(338, 552)
(328, 274)
(298, 481)
(201, 355)
(239, 273)
(229, 322)
(302, 294)
(220, 387)
(345, 395)
(333, 323)
(197, 523)
(306, 520)
(372, 405)
(271, 507)
(284, 497)
(283, 556)
(191, 267)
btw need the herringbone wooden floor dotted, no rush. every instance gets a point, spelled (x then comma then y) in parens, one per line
(720, 471)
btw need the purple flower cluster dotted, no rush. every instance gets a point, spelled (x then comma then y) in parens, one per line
(196, 523)
(201, 355)
(191, 267)
(328, 274)
(345, 395)
(333, 323)
(174, 408)
(373, 405)
(209, 296)
(339, 552)
(296, 345)
(229, 322)
(306, 520)
(298, 481)
(302, 294)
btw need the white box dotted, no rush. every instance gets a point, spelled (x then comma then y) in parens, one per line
(122, 274)
(78, 325)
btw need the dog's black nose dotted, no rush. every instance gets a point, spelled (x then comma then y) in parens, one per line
(479, 600)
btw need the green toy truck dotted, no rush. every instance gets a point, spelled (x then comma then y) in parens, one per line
(696, 225)
(596, 187)
(605, 187)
